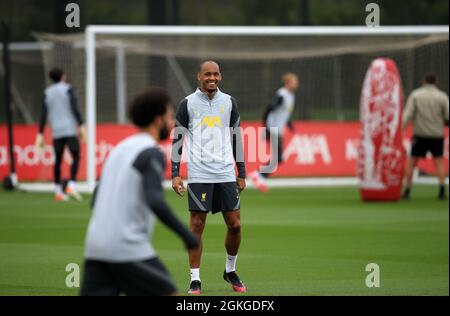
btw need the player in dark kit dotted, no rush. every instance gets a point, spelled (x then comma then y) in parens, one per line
(119, 258)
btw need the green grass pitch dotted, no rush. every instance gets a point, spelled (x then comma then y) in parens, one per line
(306, 241)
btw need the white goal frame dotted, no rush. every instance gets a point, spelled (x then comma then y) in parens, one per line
(93, 30)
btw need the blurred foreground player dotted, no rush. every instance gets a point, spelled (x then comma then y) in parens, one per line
(276, 117)
(428, 108)
(60, 106)
(119, 258)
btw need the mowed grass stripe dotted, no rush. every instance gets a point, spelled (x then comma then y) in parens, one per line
(306, 241)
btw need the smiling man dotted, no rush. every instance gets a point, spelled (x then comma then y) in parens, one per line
(210, 120)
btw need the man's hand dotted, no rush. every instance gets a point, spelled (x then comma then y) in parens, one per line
(39, 143)
(178, 186)
(240, 184)
(83, 133)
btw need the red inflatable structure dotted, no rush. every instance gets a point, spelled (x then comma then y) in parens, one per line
(381, 156)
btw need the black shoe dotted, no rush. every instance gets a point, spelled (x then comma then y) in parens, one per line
(195, 287)
(235, 282)
(442, 196)
(406, 195)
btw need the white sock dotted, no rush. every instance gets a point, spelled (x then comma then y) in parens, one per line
(58, 188)
(195, 274)
(230, 263)
(71, 184)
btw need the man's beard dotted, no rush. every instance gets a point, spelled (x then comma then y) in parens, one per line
(210, 90)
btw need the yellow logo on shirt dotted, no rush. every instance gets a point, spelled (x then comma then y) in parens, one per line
(203, 197)
(222, 109)
(212, 121)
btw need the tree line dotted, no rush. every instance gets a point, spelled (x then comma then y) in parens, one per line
(26, 16)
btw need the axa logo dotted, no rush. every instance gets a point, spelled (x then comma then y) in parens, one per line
(211, 121)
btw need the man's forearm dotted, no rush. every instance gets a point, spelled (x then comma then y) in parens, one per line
(238, 152)
(43, 119)
(75, 109)
(177, 151)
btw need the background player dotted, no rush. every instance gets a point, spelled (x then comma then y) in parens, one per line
(60, 106)
(276, 117)
(119, 258)
(428, 108)
(213, 185)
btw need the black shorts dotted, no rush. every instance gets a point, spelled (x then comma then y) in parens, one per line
(71, 142)
(422, 145)
(213, 197)
(141, 278)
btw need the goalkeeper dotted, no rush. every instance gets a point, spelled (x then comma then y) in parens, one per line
(61, 109)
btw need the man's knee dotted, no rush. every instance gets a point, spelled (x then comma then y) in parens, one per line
(234, 227)
(198, 224)
(58, 161)
(74, 149)
(75, 154)
(440, 165)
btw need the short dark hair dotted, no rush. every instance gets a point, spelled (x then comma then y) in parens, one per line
(430, 78)
(56, 74)
(148, 104)
(200, 67)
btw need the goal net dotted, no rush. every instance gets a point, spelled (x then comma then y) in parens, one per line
(108, 64)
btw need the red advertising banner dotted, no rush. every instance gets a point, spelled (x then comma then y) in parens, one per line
(315, 149)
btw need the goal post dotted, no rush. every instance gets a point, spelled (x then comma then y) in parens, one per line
(411, 35)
